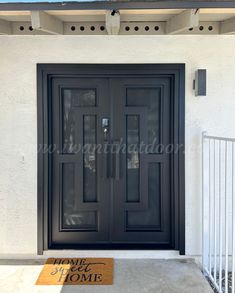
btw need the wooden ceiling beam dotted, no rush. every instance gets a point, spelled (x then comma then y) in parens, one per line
(112, 22)
(228, 26)
(185, 20)
(47, 23)
(5, 27)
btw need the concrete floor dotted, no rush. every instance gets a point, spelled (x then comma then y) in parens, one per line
(130, 276)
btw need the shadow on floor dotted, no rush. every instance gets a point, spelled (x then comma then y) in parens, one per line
(22, 262)
(130, 276)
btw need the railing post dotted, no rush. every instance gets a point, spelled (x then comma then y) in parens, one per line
(203, 204)
(233, 221)
(220, 222)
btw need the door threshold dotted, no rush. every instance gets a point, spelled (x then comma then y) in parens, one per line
(123, 254)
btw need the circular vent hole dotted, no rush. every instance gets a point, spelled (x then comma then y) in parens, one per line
(73, 28)
(136, 28)
(147, 28)
(102, 28)
(92, 28)
(82, 28)
(190, 29)
(21, 28)
(210, 28)
(127, 28)
(156, 28)
(30, 28)
(201, 28)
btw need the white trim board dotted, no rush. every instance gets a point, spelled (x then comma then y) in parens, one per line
(129, 254)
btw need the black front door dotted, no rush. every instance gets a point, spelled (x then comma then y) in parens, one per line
(113, 168)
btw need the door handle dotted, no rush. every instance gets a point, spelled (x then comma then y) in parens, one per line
(111, 160)
(116, 160)
(105, 160)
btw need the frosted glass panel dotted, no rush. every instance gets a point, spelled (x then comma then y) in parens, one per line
(151, 217)
(89, 159)
(72, 217)
(68, 124)
(132, 126)
(149, 98)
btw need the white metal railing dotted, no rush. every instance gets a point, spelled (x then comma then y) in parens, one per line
(218, 208)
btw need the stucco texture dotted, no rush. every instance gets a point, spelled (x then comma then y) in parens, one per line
(19, 55)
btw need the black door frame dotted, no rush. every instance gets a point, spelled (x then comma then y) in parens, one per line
(45, 74)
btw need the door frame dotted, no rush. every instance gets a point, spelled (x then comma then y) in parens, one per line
(45, 74)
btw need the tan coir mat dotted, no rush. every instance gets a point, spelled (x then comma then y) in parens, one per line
(77, 271)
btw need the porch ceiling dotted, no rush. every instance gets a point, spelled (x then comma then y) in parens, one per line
(220, 20)
(206, 14)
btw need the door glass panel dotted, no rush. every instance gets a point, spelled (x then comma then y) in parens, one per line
(82, 97)
(72, 217)
(68, 124)
(74, 98)
(89, 159)
(150, 98)
(132, 126)
(149, 219)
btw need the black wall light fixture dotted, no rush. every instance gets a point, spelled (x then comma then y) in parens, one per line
(199, 84)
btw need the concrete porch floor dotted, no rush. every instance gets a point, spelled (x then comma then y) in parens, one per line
(130, 276)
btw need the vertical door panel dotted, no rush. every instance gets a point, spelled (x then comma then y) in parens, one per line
(142, 121)
(79, 194)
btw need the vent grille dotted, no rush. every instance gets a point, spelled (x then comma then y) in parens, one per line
(126, 28)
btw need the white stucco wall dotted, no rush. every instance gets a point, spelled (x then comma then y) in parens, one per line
(18, 122)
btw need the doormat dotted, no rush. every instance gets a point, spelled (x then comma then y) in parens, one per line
(77, 271)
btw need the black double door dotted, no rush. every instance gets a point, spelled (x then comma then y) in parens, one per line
(111, 174)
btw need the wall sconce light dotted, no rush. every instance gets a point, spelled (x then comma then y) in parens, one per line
(199, 84)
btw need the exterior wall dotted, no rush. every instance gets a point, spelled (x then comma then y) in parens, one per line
(19, 55)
